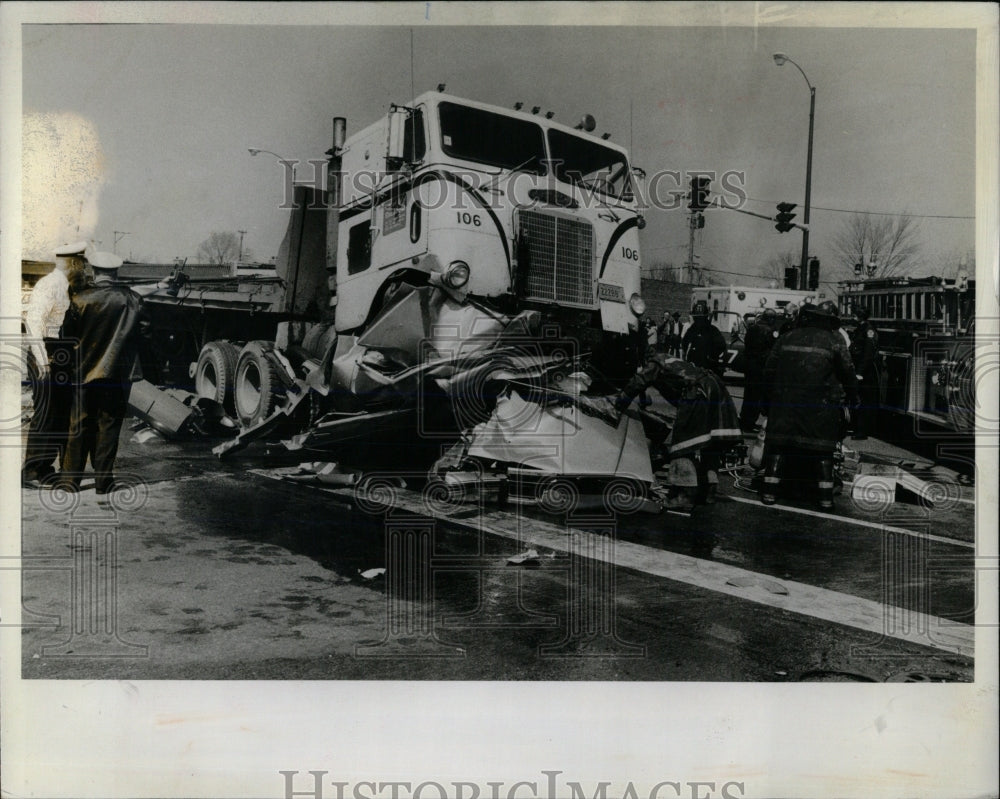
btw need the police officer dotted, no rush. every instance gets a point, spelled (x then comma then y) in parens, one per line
(808, 377)
(107, 321)
(761, 336)
(864, 354)
(703, 344)
(51, 356)
(706, 424)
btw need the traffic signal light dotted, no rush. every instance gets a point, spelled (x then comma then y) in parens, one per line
(813, 274)
(791, 277)
(699, 194)
(784, 217)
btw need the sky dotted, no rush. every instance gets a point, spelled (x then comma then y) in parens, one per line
(144, 129)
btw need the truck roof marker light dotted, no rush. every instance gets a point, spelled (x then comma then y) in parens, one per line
(535, 109)
(587, 123)
(518, 106)
(440, 87)
(549, 114)
(637, 304)
(605, 136)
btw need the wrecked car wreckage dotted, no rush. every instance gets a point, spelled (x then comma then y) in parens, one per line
(510, 392)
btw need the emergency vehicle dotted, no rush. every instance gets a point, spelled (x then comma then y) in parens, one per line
(926, 331)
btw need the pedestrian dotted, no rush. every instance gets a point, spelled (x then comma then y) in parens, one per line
(680, 328)
(50, 358)
(705, 426)
(665, 333)
(107, 321)
(703, 343)
(864, 354)
(761, 336)
(791, 320)
(652, 335)
(807, 378)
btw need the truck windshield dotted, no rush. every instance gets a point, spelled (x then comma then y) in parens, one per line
(489, 138)
(591, 165)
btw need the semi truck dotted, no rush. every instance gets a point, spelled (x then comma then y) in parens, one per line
(457, 250)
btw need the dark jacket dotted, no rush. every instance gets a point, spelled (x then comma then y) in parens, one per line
(864, 349)
(107, 320)
(705, 346)
(705, 411)
(759, 341)
(808, 378)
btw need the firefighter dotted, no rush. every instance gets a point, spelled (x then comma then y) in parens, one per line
(706, 425)
(107, 321)
(761, 336)
(51, 358)
(864, 354)
(808, 377)
(703, 344)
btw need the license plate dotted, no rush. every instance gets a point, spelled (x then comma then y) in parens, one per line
(606, 291)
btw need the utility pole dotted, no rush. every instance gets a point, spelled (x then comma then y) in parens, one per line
(242, 233)
(692, 226)
(119, 235)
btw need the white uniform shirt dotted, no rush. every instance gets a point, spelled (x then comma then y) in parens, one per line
(47, 305)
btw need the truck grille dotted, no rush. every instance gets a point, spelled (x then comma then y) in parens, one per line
(556, 255)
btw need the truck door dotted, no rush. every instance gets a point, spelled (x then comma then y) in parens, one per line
(382, 237)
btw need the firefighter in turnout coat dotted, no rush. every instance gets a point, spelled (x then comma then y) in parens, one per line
(705, 426)
(808, 378)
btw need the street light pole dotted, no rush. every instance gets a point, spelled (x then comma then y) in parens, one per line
(780, 59)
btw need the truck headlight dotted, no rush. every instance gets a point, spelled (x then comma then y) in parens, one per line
(456, 275)
(637, 304)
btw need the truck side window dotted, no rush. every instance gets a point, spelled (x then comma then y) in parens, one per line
(359, 248)
(414, 146)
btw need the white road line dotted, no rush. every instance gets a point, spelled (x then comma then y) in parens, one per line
(806, 600)
(858, 522)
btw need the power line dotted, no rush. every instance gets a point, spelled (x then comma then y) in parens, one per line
(869, 213)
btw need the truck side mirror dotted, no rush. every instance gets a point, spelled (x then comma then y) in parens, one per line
(395, 156)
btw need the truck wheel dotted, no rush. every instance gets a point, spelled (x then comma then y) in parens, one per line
(215, 372)
(258, 384)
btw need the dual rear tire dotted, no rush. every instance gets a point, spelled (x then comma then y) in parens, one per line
(246, 382)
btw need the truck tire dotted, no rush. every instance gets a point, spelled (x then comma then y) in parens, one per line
(258, 385)
(215, 372)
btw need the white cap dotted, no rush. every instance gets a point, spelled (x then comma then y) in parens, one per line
(68, 250)
(104, 260)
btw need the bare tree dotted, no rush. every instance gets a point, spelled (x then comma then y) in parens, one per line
(219, 248)
(775, 268)
(889, 242)
(661, 270)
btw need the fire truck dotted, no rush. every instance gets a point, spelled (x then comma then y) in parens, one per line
(926, 329)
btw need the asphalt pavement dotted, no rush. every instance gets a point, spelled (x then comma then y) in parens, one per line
(213, 569)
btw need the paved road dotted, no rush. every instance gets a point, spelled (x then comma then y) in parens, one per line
(229, 570)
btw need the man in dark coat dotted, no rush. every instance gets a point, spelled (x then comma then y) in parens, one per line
(703, 344)
(107, 321)
(761, 336)
(808, 377)
(706, 423)
(864, 354)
